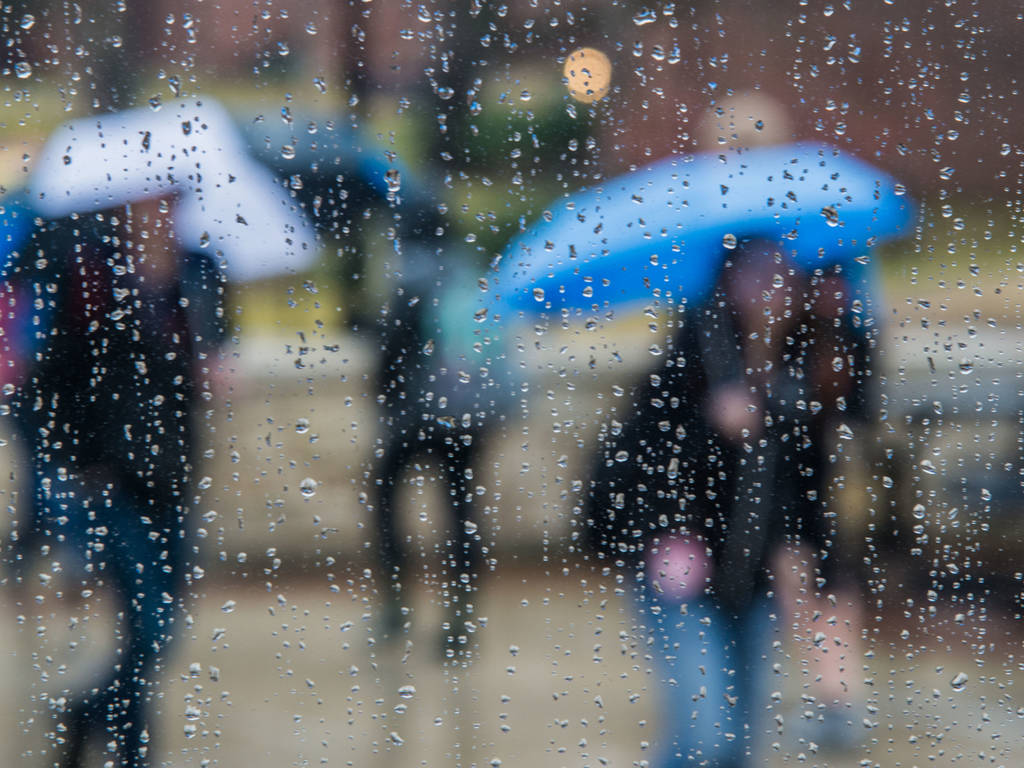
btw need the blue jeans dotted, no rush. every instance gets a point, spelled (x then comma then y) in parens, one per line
(714, 673)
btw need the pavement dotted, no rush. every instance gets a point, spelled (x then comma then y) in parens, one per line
(292, 671)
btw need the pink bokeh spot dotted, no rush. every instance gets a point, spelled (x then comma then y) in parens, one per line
(680, 566)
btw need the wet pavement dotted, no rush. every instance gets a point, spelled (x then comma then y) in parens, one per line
(292, 671)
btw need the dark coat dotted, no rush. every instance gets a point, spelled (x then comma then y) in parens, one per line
(111, 389)
(666, 470)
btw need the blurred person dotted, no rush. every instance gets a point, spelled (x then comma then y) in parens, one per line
(720, 472)
(123, 323)
(442, 390)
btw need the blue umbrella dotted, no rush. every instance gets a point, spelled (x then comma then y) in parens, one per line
(17, 337)
(16, 221)
(666, 229)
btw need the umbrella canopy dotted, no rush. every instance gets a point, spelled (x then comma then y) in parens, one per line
(669, 226)
(16, 221)
(192, 151)
(340, 169)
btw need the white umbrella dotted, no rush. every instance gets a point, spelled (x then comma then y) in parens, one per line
(226, 202)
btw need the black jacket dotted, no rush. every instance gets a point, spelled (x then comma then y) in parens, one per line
(665, 470)
(111, 389)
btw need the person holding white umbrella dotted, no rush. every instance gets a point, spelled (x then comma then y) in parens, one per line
(145, 216)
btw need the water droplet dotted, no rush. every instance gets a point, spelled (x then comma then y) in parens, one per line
(538, 294)
(644, 17)
(308, 487)
(445, 92)
(23, 70)
(959, 682)
(288, 152)
(831, 215)
(407, 691)
(229, 606)
(729, 241)
(986, 494)
(311, 28)
(321, 84)
(302, 425)
(27, 21)
(927, 467)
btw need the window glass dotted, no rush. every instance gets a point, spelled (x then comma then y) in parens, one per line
(508, 383)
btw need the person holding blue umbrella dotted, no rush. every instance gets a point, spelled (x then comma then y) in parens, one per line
(719, 470)
(765, 252)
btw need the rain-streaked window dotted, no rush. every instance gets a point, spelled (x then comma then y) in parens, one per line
(479, 384)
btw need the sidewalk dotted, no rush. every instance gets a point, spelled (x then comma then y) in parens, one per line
(296, 676)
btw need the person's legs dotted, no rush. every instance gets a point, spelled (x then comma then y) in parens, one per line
(143, 563)
(147, 567)
(401, 446)
(693, 652)
(824, 620)
(386, 472)
(463, 555)
(756, 656)
(462, 550)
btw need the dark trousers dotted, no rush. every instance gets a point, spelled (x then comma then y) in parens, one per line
(130, 548)
(446, 449)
